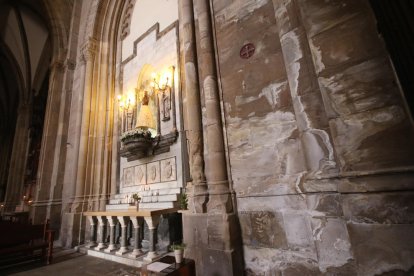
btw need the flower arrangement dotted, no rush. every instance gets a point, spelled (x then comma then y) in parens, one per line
(136, 133)
(183, 201)
(179, 246)
(136, 197)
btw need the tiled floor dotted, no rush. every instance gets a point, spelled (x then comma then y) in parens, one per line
(73, 264)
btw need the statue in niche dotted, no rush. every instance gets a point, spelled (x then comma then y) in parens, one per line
(166, 104)
(145, 118)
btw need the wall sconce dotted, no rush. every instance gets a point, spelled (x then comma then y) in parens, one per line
(161, 85)
(27, 200)
(127, 106)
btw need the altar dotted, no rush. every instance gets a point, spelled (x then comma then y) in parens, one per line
(102, 221)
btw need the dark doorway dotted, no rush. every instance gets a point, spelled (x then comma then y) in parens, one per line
(395, 19)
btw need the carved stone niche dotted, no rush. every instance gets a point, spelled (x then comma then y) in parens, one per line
(136, 149)
(153, 100)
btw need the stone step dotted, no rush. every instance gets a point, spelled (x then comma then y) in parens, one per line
(156, 205)
(113, 207)
(159, 198)
(143, 205)
(148, 199)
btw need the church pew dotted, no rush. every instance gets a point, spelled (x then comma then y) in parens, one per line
(21, 242)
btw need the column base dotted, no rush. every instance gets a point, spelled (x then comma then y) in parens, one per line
(151, 256)
(122, 251)
(91, 245)
(111, 248)
(136, 253)
(100, 247)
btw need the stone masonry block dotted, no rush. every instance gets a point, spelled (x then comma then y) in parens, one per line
(382, 248)
(322, 15)
(382, 208)
(351, 42)
(263, 229)
(381, 138)
(332, 242)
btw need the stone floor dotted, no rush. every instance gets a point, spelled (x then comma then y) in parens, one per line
(71, 263)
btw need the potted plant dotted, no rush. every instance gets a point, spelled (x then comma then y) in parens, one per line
(137, 199)
(178, 252)
(183, 201)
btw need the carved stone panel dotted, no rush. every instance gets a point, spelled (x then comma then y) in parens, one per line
(168, 170)
(153, 172)
(129, 177)
(140, 175)
(263, 229)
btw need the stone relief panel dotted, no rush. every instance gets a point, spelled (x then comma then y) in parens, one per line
(264, 229)
(168, 170)
(153, 172)
(129, 176)
(140, 175)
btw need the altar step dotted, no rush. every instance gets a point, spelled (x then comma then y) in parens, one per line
(148, 199)
(142, 205)
(126, 259)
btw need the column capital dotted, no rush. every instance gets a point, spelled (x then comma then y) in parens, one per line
(111, 220)
(152, 222)
(89, 49)
(136, 221)
(123, 221)
(92, 220)
(57, 65)
(102, 220)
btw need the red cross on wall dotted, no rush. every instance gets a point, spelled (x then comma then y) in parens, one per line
(247, 51)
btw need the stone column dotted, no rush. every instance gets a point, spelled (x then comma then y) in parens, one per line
(102, 233)
(88, 52)
(49, 187)
(214, 235)
(137, 222)
(152, 223)
(215, 159)
(193, 127)
(15, 179)
(93, 224)
(124, 224)
(312, 122)
(112, 223)
(305, 92)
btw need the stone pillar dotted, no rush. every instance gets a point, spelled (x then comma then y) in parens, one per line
(93, 224)
(215, 159)
(137, 222)
(193, 127)
(15, 179)
(102, 233)
(112, 223)
(305, 92)
(211, 237)
(88, 52)
(312, 122)
(124, 224)
(53, 151)
(152, 223)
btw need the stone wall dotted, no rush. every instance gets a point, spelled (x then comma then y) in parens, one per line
(319, 141)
